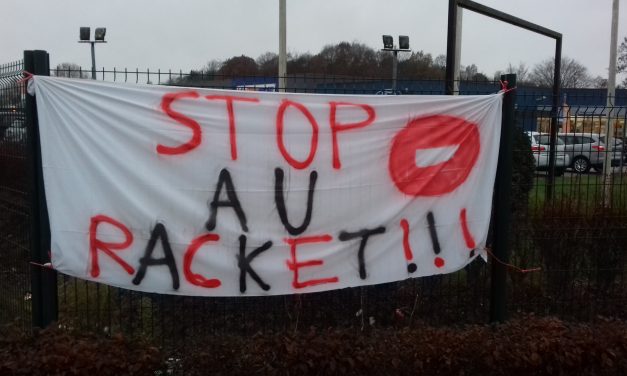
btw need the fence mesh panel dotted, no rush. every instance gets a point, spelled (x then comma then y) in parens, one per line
(570, 244)
(14, 200)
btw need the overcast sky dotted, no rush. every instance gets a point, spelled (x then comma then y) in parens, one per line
(185, 34)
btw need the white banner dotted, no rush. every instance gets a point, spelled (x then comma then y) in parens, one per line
(226, 193)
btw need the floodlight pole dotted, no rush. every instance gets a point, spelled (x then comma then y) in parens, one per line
(394, 70)
(93, 61)
(611, 88)
(395, 52)
(93, 54)
(282, 45)
(99, 37)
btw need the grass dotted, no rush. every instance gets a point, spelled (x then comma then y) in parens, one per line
(98, 307)
(585, 191)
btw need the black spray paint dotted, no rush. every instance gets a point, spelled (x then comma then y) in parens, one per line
(158, 233)
(244, 261)
(364, 235)
(231, 202)
(280, 202)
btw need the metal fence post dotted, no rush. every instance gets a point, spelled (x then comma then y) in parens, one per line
(550, 180)
(43, 280)
(502, 207)
(451, 47)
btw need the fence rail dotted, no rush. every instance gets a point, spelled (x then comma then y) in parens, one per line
(578, 243)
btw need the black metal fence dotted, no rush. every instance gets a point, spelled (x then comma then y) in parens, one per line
(15, 295)
(562, 223)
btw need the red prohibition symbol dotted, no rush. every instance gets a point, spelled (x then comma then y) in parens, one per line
(429, 132)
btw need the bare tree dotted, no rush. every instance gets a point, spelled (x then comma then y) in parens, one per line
(521, 71)
(471, 73)
(239, 66)
(598, 82)
(268, 64)
(468, 72)
(70, 70)
(622, 59)
(298, 63)
(344, 58)
(212, 67)
(440, 61)
(572, 74)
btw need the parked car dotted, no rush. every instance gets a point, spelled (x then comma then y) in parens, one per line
(618, 146)
(16, 132)
(587, 150)
(6, 118)
(541, 149)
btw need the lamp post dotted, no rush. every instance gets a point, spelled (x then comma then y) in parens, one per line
(99, 36)
(611, 92)
(403, 46)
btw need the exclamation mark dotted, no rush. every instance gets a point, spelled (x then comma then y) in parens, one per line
(438, 261)
(470, 241)
(411, 267)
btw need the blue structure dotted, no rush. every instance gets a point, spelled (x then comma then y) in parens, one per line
(532, 102)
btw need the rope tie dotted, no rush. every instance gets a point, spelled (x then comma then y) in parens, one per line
(27, 76)
(504, 88)
(513, 267)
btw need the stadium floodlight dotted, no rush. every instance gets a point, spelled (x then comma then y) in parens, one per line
(99, 36)
(388, 45)
(403, 41)
(388, 42)
(85, 33)
(101, 31)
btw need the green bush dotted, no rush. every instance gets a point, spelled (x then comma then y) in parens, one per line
(523, 170)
